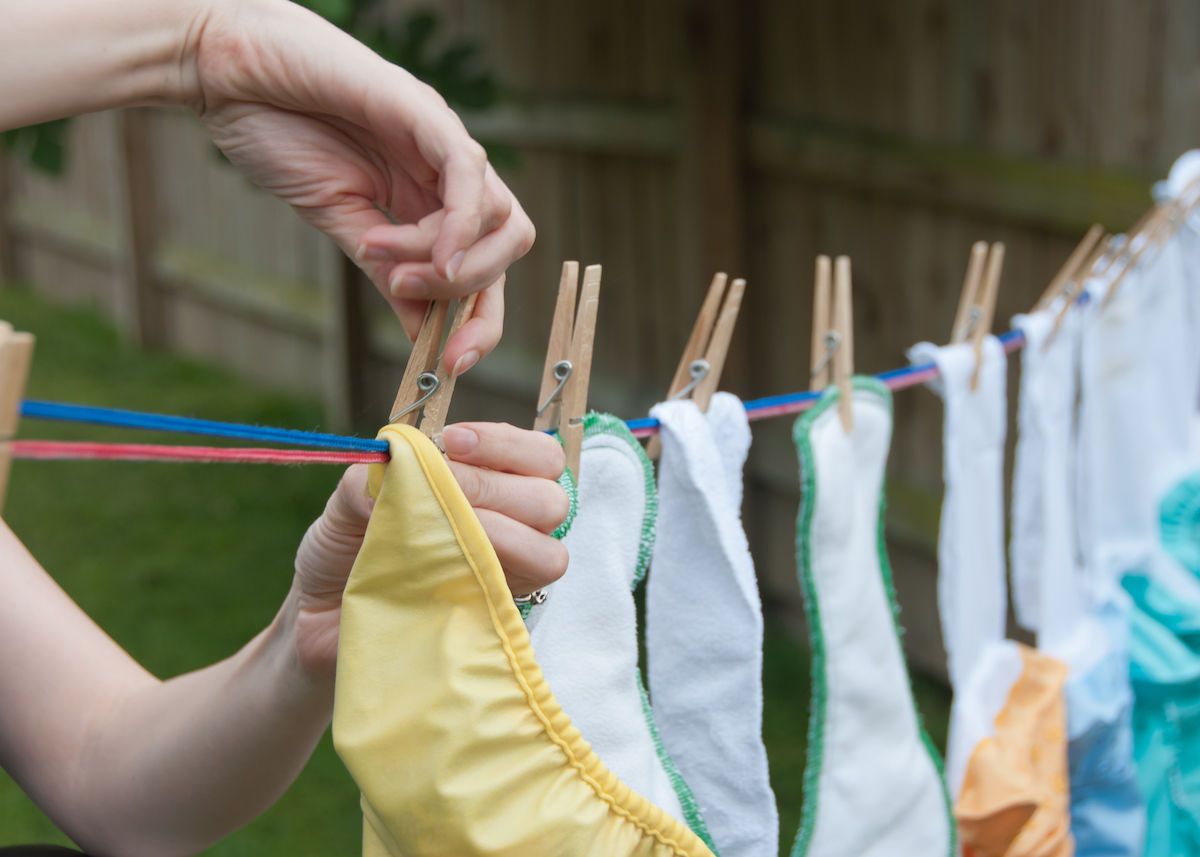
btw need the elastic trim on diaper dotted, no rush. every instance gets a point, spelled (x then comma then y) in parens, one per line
(622, 802)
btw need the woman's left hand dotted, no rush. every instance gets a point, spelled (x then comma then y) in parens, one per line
(509, 477)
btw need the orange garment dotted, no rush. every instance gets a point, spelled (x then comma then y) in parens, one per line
(1014, 800)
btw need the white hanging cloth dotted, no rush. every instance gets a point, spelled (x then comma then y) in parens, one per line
(1137, 416)
(1006, 759)
(704, 626)
(872, 785)
(1047, 591)
(1082, 623)
(585, 635)
(972, 595)
(1183, 183)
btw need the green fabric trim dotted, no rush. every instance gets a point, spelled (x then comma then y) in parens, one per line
(566, 481)
(687, 800)
(801, 433)
(568, 484)
(596, 424)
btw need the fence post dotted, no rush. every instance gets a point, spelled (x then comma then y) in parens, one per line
(711, 150)
(345, 340)
(138, 301)
(8, 246)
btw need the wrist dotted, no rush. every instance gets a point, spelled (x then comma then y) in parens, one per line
(158, 62)
(181, 85)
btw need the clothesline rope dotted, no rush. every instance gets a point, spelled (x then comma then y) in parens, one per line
(339, 449)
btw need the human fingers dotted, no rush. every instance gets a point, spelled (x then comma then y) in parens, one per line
(401, 242)
(538, 503)
(499, 446)
(480, 334)
(461, 164)
(350, 504)
(487, 259)
(331, 543)
(413, 242)
(531, 560)
(493, 253)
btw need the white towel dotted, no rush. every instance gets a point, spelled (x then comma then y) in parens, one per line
(1136, 417)
(872, 787)
(1048, 594)
(972, 596)
(1184, 172)
(585, 635)
(1081, 621)
(704, 626)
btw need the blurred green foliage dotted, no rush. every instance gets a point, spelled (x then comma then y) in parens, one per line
(451, 66)
(43, 145)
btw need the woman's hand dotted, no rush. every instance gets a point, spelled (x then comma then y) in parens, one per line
(507, 474)
(366, 153)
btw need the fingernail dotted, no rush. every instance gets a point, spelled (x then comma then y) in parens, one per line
(459, 440)
(367, 253)
(412, 287)
(465, 362)
(454, 264)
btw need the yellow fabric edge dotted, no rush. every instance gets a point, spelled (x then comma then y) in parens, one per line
(622, 801)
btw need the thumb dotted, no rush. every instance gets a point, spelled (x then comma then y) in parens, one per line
(349, 507)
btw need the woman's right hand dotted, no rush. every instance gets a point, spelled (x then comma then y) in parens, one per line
(365, 152)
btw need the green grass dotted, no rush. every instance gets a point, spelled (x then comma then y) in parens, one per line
(183, 563)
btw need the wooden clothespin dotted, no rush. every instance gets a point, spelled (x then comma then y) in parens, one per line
(16, 355)
(966, 318)
(977, 304)
(425, 391)
(698, 374)
(987, 307)
(1152, 225)
(562, 400)
(833, 334)
(1072, 269)
(1074, 284)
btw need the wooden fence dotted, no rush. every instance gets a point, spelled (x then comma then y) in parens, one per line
(669, 139)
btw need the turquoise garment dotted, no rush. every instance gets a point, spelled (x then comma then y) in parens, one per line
(1165, 674)
(1108, 818)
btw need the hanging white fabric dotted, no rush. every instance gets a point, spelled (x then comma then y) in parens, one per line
(704, 626)
(1136, 415)
(872, 785)
(1047, 587)
(585, 635)
(972, 595)
(1080, 621)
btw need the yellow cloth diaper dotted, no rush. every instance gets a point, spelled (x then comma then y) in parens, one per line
(441, 713)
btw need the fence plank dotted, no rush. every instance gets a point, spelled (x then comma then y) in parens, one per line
(8, 246)
(345, 339)
(139, 306)
(710, 186)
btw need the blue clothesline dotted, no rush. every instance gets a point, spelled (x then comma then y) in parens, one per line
(43, 410)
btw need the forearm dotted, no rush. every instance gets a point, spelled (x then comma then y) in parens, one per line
(64, 57)
(129, 765)
(178, 765)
